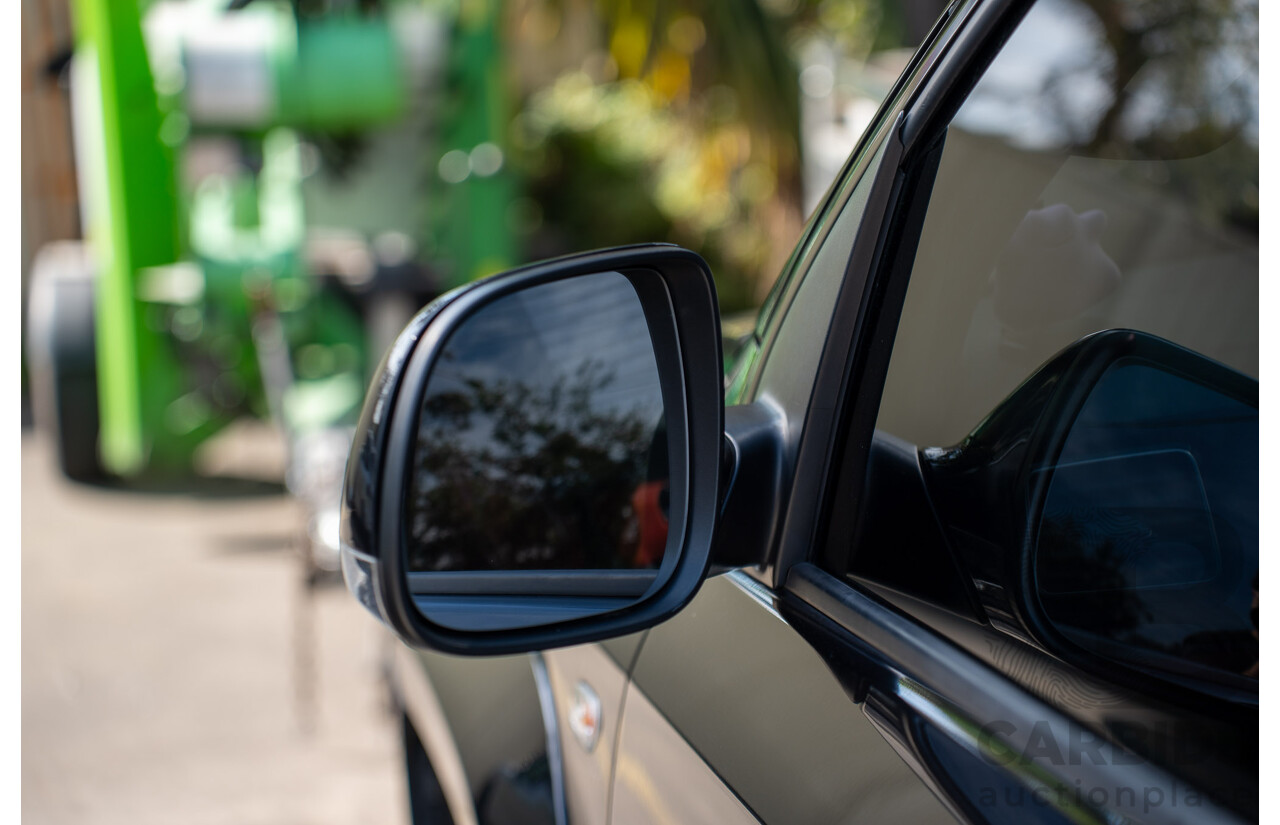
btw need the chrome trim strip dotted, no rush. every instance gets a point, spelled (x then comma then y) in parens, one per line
(754, 588)
(551, 724)
(360, 573)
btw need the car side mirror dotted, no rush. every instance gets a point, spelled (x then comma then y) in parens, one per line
(1107, 511)
(538, 461)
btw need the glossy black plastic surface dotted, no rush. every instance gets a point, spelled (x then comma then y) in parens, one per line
(754, 444)
(991, 490)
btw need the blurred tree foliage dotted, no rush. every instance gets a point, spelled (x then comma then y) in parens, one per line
(677, 120)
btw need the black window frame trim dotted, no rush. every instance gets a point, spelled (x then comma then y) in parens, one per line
(827, 469)
(906, 88)
(800, 521)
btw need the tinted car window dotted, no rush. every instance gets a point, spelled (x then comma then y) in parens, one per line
(1103, 174)
(792, 363)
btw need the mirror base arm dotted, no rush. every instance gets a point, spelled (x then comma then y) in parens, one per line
(751, 506)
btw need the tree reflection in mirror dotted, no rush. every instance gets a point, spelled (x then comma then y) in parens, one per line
(541, 444)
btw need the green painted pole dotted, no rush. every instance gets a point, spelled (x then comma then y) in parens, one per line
(134, 223)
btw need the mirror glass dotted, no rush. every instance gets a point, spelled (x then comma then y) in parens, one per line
(1148, 541)
(541, 462)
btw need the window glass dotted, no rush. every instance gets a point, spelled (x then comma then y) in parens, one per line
(1103, 174)
(792, 365)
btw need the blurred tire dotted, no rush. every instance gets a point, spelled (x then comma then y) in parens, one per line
(63, 353)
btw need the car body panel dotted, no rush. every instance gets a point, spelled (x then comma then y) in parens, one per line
(476, 718)
(413, 691)
(659, 780)
(778, 729)
(481, 718)
(587, 773)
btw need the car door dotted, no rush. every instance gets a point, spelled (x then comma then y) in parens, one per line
(1041, 175)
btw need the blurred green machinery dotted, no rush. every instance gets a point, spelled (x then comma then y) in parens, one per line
(269, 190)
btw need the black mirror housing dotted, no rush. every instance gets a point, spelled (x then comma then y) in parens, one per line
(495, 611)
(1109, 501)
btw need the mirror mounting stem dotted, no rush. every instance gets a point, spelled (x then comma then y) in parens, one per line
(753, 443)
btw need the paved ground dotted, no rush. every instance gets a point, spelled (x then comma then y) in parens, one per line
(161, 633)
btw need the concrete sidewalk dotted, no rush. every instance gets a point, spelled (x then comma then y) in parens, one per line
(172, 663)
